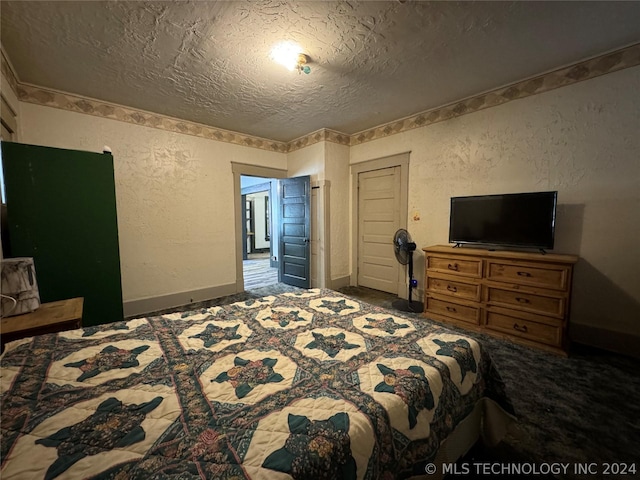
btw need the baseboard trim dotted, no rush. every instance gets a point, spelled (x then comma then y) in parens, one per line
(617, 342)
(340, 282)
(152, 304)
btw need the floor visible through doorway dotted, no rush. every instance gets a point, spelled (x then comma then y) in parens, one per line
(257, 272)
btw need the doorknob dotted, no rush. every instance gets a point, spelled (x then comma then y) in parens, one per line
(306, 240)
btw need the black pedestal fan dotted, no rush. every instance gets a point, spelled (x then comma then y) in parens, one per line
(403, 247)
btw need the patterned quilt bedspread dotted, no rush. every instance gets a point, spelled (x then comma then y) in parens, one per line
(303, 385)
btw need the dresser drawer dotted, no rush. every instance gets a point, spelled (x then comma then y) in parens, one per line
(546, 276)
(530, 302)
(470, 267)
(455, 288)
(522, 296)
(512, 325)
(452, 310)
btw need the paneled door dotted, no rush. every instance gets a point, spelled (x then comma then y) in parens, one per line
(295, 231)
(378, 220)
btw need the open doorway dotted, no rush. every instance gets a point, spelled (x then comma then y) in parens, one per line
(259, 256)
(290, 234)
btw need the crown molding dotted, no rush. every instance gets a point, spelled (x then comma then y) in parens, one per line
(577, 72)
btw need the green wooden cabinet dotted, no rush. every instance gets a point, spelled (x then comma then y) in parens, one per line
(61, 209)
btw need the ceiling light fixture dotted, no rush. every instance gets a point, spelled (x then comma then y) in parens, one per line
(290, 55)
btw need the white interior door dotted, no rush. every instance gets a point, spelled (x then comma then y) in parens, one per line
(378, 220)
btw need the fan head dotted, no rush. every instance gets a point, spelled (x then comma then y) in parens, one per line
(403, 246)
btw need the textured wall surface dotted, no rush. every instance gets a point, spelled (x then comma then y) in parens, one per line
(581, 140)
(174, 197)
(337, 172)
(373, 62)
(307, 161)
(329, 161)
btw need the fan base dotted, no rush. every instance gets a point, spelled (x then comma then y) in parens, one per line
(406, 306)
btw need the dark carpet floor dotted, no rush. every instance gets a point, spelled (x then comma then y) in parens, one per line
(584, 409)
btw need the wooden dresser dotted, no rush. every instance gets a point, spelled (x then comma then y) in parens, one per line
(520, 296)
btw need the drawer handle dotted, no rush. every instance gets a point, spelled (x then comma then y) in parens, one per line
(524, 274)
(519, 328)
(451, 309)
(451, 288)
(522, 300)
(453, 267)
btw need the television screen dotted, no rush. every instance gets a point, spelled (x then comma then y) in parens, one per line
(513, 219)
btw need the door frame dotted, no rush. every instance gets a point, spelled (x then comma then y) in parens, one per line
(320, 235)
(399, 160)
(238, 170)
(268, 186)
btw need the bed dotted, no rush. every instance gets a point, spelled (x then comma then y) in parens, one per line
(308, 384)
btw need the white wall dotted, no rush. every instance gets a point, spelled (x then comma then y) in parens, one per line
(582, 140)
(259, 201)
(307, 161)
(337, 173)
(174, 197)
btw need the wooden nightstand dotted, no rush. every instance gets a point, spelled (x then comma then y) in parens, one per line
(49, 318)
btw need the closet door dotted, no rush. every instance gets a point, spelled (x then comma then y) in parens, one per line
(61, 210)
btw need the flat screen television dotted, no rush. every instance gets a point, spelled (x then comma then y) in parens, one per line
(524, 220)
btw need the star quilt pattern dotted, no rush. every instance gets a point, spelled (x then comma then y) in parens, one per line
(298, 385)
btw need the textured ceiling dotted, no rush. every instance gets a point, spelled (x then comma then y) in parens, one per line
(372, 62)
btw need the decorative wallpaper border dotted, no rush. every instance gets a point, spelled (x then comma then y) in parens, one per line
(65, 101)
(601, 65)
(608, 63)
(324, 134)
